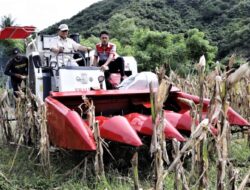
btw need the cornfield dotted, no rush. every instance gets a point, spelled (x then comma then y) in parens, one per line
(28, 128)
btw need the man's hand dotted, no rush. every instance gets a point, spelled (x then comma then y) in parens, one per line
(84, 48)
(89, 48)
(57, 50)
(20, 76)
(60, 49)
(104, 67)
(24, 77)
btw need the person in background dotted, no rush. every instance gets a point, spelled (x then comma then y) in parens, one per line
(66, 45)
(105, 56)
(17, 69)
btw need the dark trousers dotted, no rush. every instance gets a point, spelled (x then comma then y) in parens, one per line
(16, 84)
(116, 66)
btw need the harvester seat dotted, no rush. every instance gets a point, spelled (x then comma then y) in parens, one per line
(114, 79)
(36, 59)
(78, 55)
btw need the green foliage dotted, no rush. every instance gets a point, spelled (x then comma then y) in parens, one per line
(6, 21)
(90, 42)
(238, 61)
(122, 28)
(6, 47)
(153, 49)
(197, 46)
(149, 48)
(222, 28)
(226, 23)
(123, 50)
(27, 173)
(240, 151)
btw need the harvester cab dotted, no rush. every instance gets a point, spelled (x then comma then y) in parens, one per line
(65, 71)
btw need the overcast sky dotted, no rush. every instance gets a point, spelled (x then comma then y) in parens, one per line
(42, 13)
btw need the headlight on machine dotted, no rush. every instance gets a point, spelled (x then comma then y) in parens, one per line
(101, 79)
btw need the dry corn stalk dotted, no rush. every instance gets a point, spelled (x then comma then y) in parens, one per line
(155, 148)
(193, 115)
(159, 153)
(20, 116)
(245, 180)
(4, 177)
(199, 133)
(180, 177)
(232, 175)
(201, 162)
(243, 71)
(99, 165)
(5, 126)
(239, 95)
(21, 123)
(224, 133)
(41, 122)
(231, 60)
(158, 146)
(134, 162)
(90, 111)
(31, 126)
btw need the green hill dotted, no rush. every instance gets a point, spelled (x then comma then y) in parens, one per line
(225, 22)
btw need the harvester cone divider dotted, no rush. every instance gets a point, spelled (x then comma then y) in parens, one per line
(118, 129)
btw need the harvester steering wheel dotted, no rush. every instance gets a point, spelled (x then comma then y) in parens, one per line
(77, 56)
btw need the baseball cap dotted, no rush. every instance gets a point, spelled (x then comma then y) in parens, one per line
(15, 51)
(63, 27)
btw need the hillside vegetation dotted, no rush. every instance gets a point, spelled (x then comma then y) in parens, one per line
(226, 23)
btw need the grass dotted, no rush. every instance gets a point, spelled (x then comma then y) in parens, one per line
(240, 158)
(27, 173)
(3, 80)
(1, 90)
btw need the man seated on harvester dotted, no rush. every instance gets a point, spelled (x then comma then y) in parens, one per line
(105, 57)
(66, 46)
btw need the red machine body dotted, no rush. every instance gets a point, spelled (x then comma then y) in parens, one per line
(122, 115)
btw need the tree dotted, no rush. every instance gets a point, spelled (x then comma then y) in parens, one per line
(150, 48)
(197, 46)
(7, 45)
(91, 41)
(7, 21)
(122, 28)
(153, 49)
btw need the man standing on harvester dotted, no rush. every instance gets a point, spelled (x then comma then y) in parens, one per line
(17, 69)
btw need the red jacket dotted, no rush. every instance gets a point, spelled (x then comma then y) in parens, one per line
(103, 52)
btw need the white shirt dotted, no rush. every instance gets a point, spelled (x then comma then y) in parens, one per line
(69, 46)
